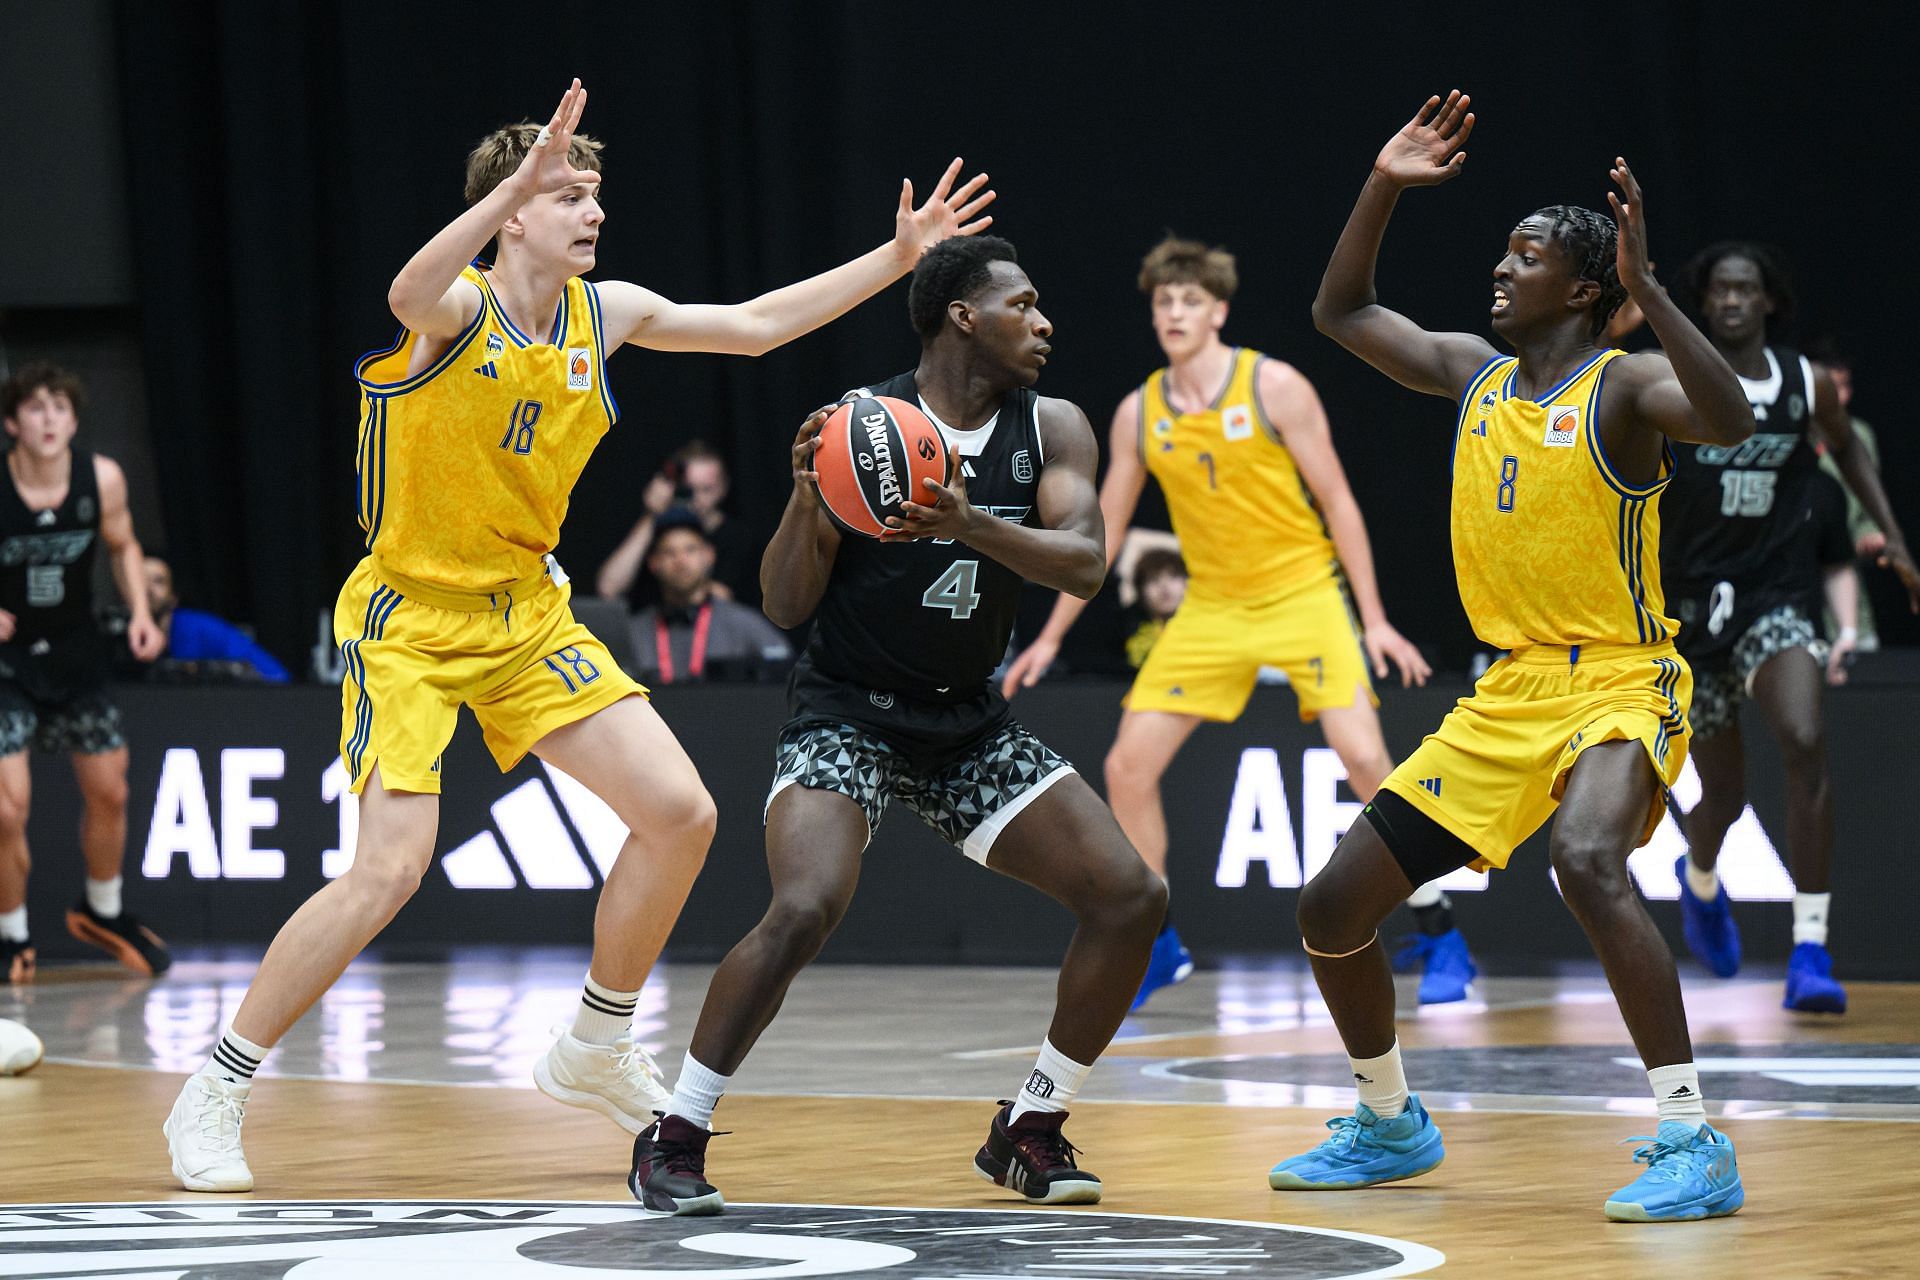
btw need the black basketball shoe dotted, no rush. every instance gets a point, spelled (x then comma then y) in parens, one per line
(670, 1169)
(123, 937)
(1032, 1157)
(16, 960)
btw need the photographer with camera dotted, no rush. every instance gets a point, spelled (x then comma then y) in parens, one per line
(695, 478)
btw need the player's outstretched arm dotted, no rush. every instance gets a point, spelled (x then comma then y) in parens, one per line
(1068, 551)
(428, 296)
(1119, 495)
(1426, 152)
(1689, 392)
(646, 319)
(797, 563)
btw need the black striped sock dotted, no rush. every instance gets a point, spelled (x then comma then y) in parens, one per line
(235, 1058)
(605, 1014)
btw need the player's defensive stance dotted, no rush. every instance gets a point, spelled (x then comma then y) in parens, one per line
(1560, 452)
(474, 428)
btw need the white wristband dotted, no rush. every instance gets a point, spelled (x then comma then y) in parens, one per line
(1847, 634)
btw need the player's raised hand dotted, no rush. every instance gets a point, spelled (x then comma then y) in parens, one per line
(1630, 216)
(1382, 642)
(806, 479)
(947, 212)
(948, 514)
(1428, 151)
(547, 166)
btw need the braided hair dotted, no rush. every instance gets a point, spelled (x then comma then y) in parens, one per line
(1589, 241)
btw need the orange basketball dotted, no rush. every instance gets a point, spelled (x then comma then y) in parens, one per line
(873, 455)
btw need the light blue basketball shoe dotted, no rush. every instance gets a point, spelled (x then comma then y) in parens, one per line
(1365, 1150)
(1691, 1174)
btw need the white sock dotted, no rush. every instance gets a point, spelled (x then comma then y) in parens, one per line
(1051, 1086)
(1705, 884)
(104, 897)
(235, 1058)
(1426, 895)
(1676, 1091)
(697, 1092)
(1382, 1082)
(13, 924)
(605, 1014)
(1810, 917)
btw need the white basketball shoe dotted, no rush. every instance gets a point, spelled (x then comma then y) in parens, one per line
(203, 1135)
(20, 1049)
(621, 1080)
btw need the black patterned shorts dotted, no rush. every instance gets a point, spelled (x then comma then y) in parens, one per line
(1721, 685)
(85, 724)
(969, 801)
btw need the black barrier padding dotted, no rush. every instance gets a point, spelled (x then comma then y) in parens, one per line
(919, 900)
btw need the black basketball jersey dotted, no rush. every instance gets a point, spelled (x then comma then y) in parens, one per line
(46, 583)
(1739, 513)
(930, 620)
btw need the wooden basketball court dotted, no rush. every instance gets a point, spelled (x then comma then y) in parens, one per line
(876, 1085)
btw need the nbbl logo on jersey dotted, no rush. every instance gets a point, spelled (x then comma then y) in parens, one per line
(1563, 426)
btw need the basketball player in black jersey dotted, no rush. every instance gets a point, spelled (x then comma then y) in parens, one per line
(894, 699)
(1739, 559)
(58, 505)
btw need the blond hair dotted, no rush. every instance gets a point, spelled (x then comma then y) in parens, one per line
(499, 154)
(1177, 261)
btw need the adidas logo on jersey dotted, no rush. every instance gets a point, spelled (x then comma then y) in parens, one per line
(1480, 428)
(1431, 784)
(487, 370)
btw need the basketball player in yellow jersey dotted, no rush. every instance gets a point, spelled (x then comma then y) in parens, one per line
(1239, 444)
(1559, 452)
(474, 428)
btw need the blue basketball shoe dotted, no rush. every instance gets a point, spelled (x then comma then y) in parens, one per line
(1691, 1174)
(1365, 1150)
(1810, 984)
(1712, 935)
(1445, 966)
(1171, 962)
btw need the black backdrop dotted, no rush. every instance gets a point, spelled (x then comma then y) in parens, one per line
(286, 159)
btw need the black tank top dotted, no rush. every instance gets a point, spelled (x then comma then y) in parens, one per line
(929, 619)
(46, 583)
(1739, 513)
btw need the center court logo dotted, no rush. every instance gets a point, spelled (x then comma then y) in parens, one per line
(570, 1240)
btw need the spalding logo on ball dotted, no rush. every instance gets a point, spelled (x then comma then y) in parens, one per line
(874, 453)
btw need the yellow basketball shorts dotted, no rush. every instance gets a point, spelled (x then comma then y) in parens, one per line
(1207, 660)
(416, 653)
(1496, 768)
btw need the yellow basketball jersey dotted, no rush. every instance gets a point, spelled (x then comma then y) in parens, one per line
(467, 467)
(1246, 520)
(1550, 545)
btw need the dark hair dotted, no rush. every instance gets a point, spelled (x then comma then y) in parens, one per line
(953, 270)
(678, 518)
(1154, 562)
(1774, 278)
(1589, 241)
(41, 373)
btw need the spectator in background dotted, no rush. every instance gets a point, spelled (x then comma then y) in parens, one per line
(1868, 540)
(695, 478)
(195, 636)
(1159, 585)
(694, 632)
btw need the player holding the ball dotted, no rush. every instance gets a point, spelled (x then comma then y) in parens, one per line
(894, 700)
